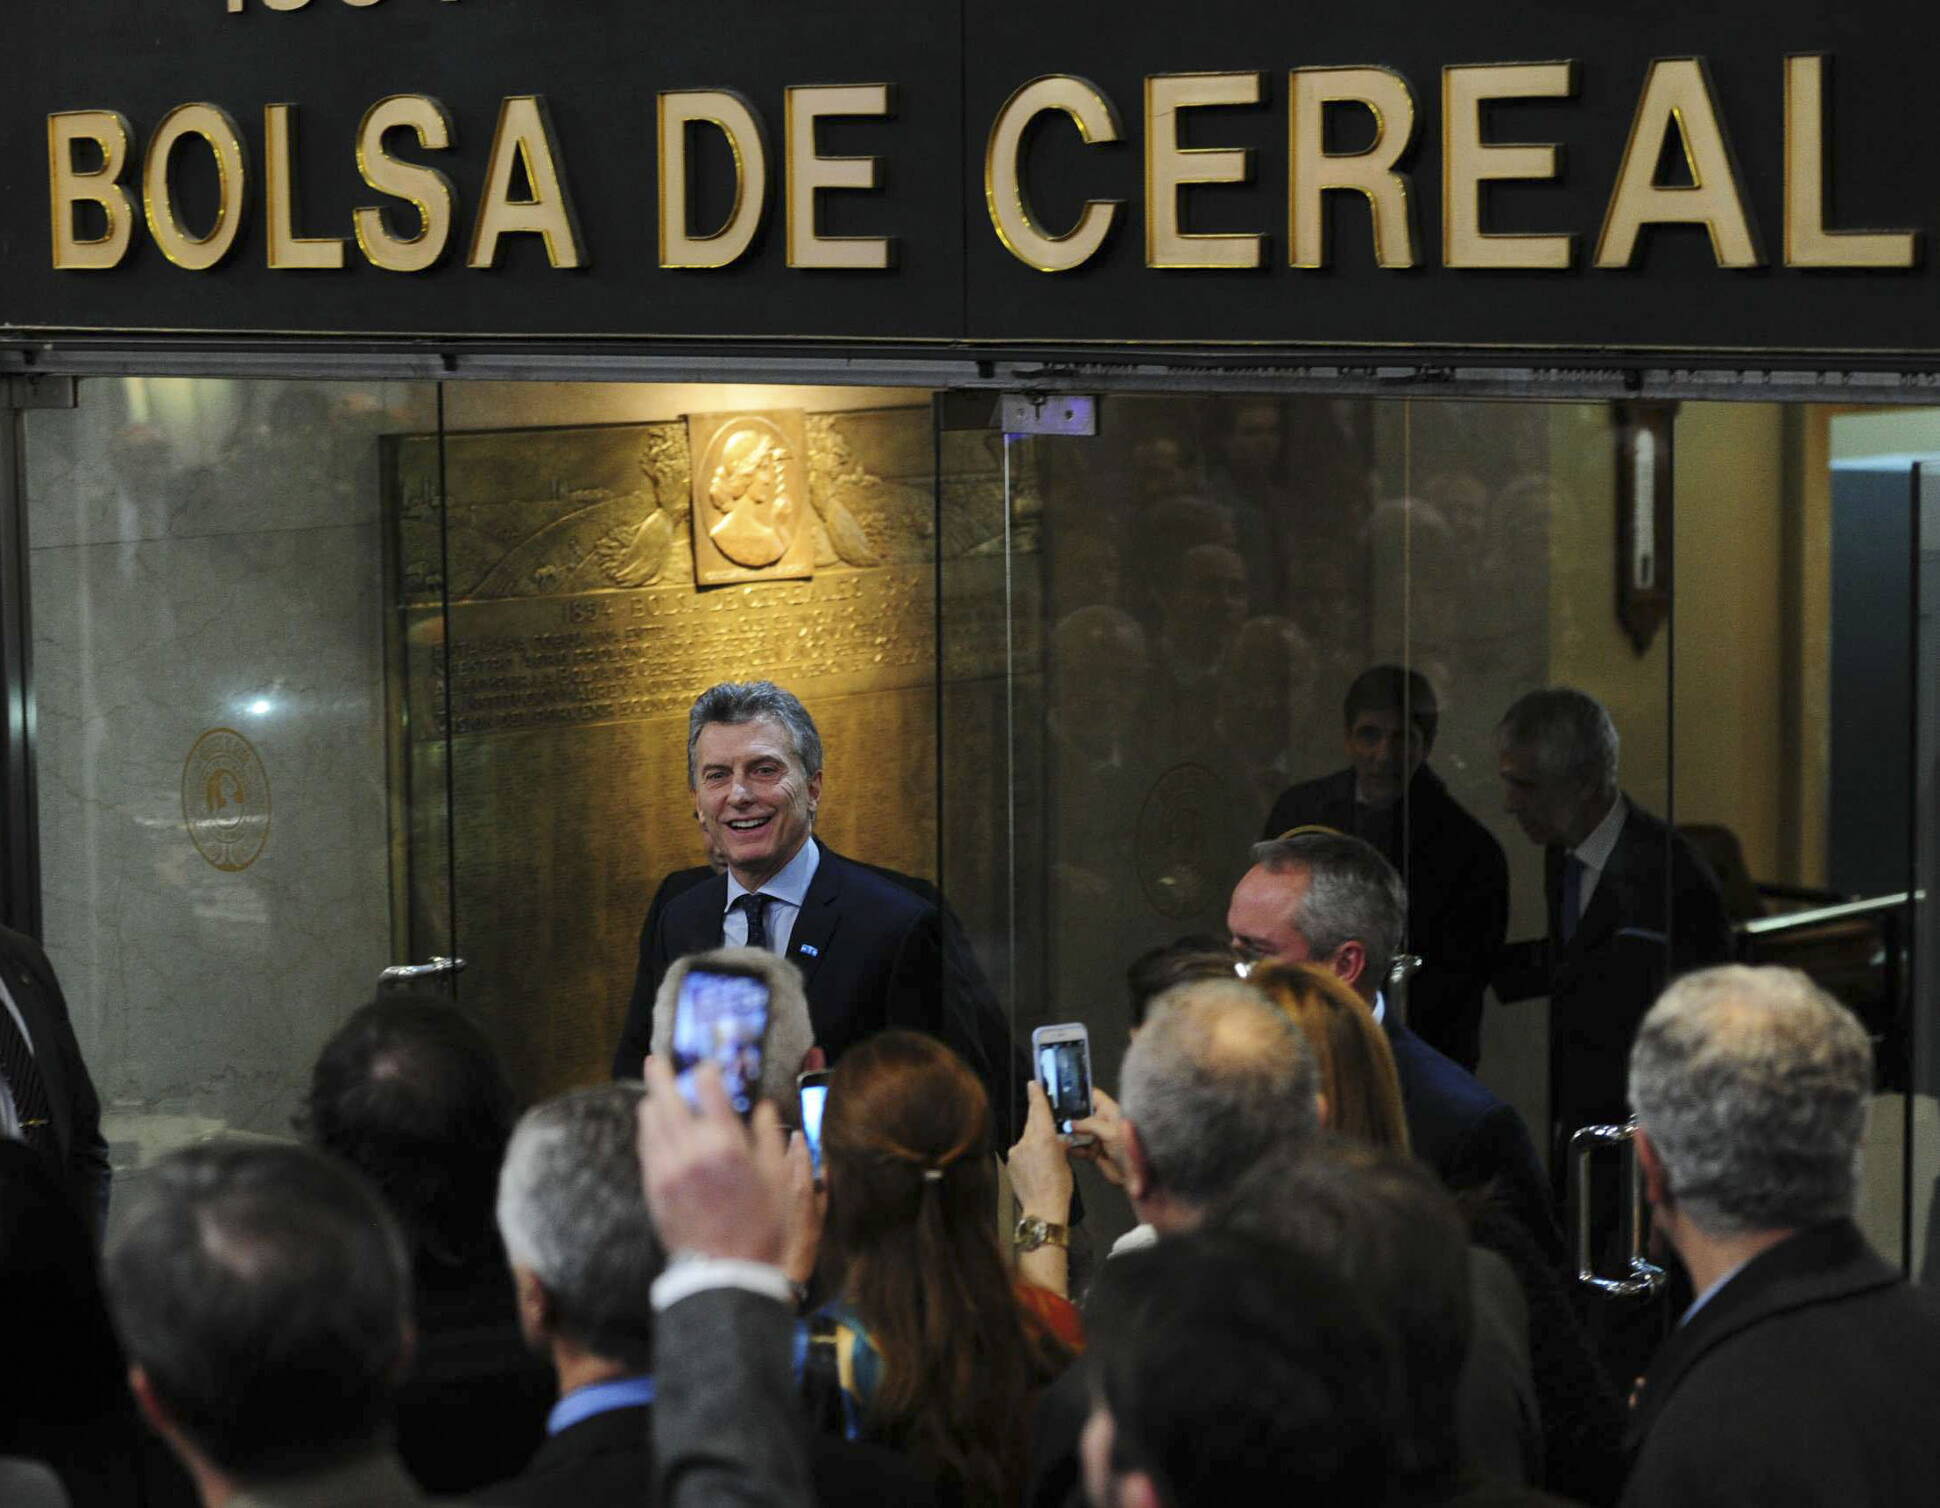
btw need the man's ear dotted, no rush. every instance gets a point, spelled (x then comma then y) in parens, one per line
(814, 1060)
(1349, 963)
(153, 1410)
(535, 1306)
(1650, 1167)
(1138, 1167)
(1323, 1111)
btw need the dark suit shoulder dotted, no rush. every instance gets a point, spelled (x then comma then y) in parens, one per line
(1447, 821)
(605, 1459)
(1831, 1401)
(895, 895)
(1322, 800)
(698, 904)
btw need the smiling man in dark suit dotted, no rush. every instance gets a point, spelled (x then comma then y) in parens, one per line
(47, 1099)
(874, 949)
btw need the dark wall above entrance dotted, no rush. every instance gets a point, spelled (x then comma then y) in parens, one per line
(1225, 176)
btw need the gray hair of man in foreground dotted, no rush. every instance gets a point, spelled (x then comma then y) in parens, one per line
(570, 1211)
(265, 1292)
(791, 1034)
(1353, 894)
(1216, 1079)
(1752, 1084)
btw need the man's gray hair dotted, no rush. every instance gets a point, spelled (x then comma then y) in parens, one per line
(748, 701)
(1752, 1084)
(791, 1034)
(1353, 895)
(1216, 1079)
(1570, 733)
(570, 1209)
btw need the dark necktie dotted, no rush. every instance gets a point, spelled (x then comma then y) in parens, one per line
(25, 1084)
(1573, 868)
(755, 907)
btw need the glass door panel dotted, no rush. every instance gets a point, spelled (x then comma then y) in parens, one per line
(215, 692)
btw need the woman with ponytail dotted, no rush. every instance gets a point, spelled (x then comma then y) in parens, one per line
(939, 1348)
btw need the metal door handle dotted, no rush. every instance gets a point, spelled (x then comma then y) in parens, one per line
(440, 967)
(1645, 1276)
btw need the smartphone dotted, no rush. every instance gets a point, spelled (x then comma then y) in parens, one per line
(1062, 1055)
(814, 1090)
(721, 1018)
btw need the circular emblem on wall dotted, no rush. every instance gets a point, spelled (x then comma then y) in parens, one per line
(1179, 849)
(225, 799)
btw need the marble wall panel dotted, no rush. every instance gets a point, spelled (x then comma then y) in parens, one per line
(235, 581)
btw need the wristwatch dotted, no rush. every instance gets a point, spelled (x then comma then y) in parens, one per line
(1034, 1231)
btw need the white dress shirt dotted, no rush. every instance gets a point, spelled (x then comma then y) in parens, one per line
(1593, 853)
(786, 891)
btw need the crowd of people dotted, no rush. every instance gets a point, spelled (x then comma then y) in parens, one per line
(1346, 1284)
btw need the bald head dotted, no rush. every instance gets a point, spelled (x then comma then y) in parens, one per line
(1752, 1085)
(1217, 1079)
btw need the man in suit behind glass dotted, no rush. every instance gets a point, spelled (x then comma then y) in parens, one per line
(585, 1257)
(46, 1097)
(874, 951)
(1457, 878)
(1630, 904)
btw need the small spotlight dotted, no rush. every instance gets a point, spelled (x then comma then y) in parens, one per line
(260, 707)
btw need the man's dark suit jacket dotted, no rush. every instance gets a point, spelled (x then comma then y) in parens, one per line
(1458, 897)
(1811, 1377)
(72, 1106)
(876, 949)
(609, 1459)
(1656, 913)
(1470, 1137)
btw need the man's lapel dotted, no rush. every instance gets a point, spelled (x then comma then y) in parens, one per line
(809, 943)
(43, 1035)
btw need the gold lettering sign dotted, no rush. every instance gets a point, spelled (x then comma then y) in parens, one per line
(1003, 187)
(524, 138)
(1468, 162)
(734, 118)
(1312, 169)
(1807, 241)
(219, 133)
(750, 497)
(427, 189)
(1677, 97)
(1170, 167)
(70, 187)
(809, 174)
(286, 247)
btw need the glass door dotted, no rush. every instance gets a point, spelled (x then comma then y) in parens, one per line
(1228, 616)
(217, 688)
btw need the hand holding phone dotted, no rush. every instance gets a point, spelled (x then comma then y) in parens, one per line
(813, 1087)
(1062, 1058)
